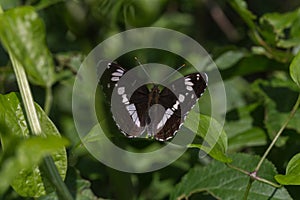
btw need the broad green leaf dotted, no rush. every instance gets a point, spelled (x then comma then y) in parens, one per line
(13, 124)
(22, 33)
(295, 69)
(28, 154)
(241, 132)
(292, 176)
(295, 28)
(223, 182)
(241, 7)
(252, 137)
(213, 134)
(229, 58)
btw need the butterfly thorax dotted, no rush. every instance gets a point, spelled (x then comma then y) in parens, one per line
(153, 96)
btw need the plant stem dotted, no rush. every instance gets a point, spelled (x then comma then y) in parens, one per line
(238, 169)
(253, 176)
(292, 113)
(27, 99)
(48, 100)
(53, 175)
(35, 127)
(248, 189)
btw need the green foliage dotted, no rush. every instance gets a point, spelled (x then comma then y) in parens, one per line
(261, 74)
(211, 131)
(295, 69)
(223, 182)
(20, 165)
(292, 176)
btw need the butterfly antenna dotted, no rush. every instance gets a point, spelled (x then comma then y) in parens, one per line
(137, 60)
(173, 73)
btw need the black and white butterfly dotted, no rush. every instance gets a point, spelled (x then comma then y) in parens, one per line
(159, 112)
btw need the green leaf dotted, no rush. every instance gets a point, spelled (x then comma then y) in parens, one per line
(241, 7)
(252, 137)
(241, 132)
(143, 12)
(292, 176)
(280, 21)
(28, 154)
(295, 69)
(223, 182)
(289, 43)
(213, 134)
(22, 33)
(229, 58)
(252, 64)
(278, 107)
(13, 124)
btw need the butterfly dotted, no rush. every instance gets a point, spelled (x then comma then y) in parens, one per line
(160, 112)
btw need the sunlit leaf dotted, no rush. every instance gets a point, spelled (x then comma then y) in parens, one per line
(13, 124)
(229, 58)
(28, 154)
(292, 176)
(22, 33)
(295, 69)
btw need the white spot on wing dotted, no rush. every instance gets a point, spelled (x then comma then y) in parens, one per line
(169, 112)
(175, 106)
(131, 107)
(114, 78)
(120, 70)
(181, 98)
(121, 90)
(189, 88)
(132, 111)
(125, 99)
(166, 116)
(189, 83)
(117, 74)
